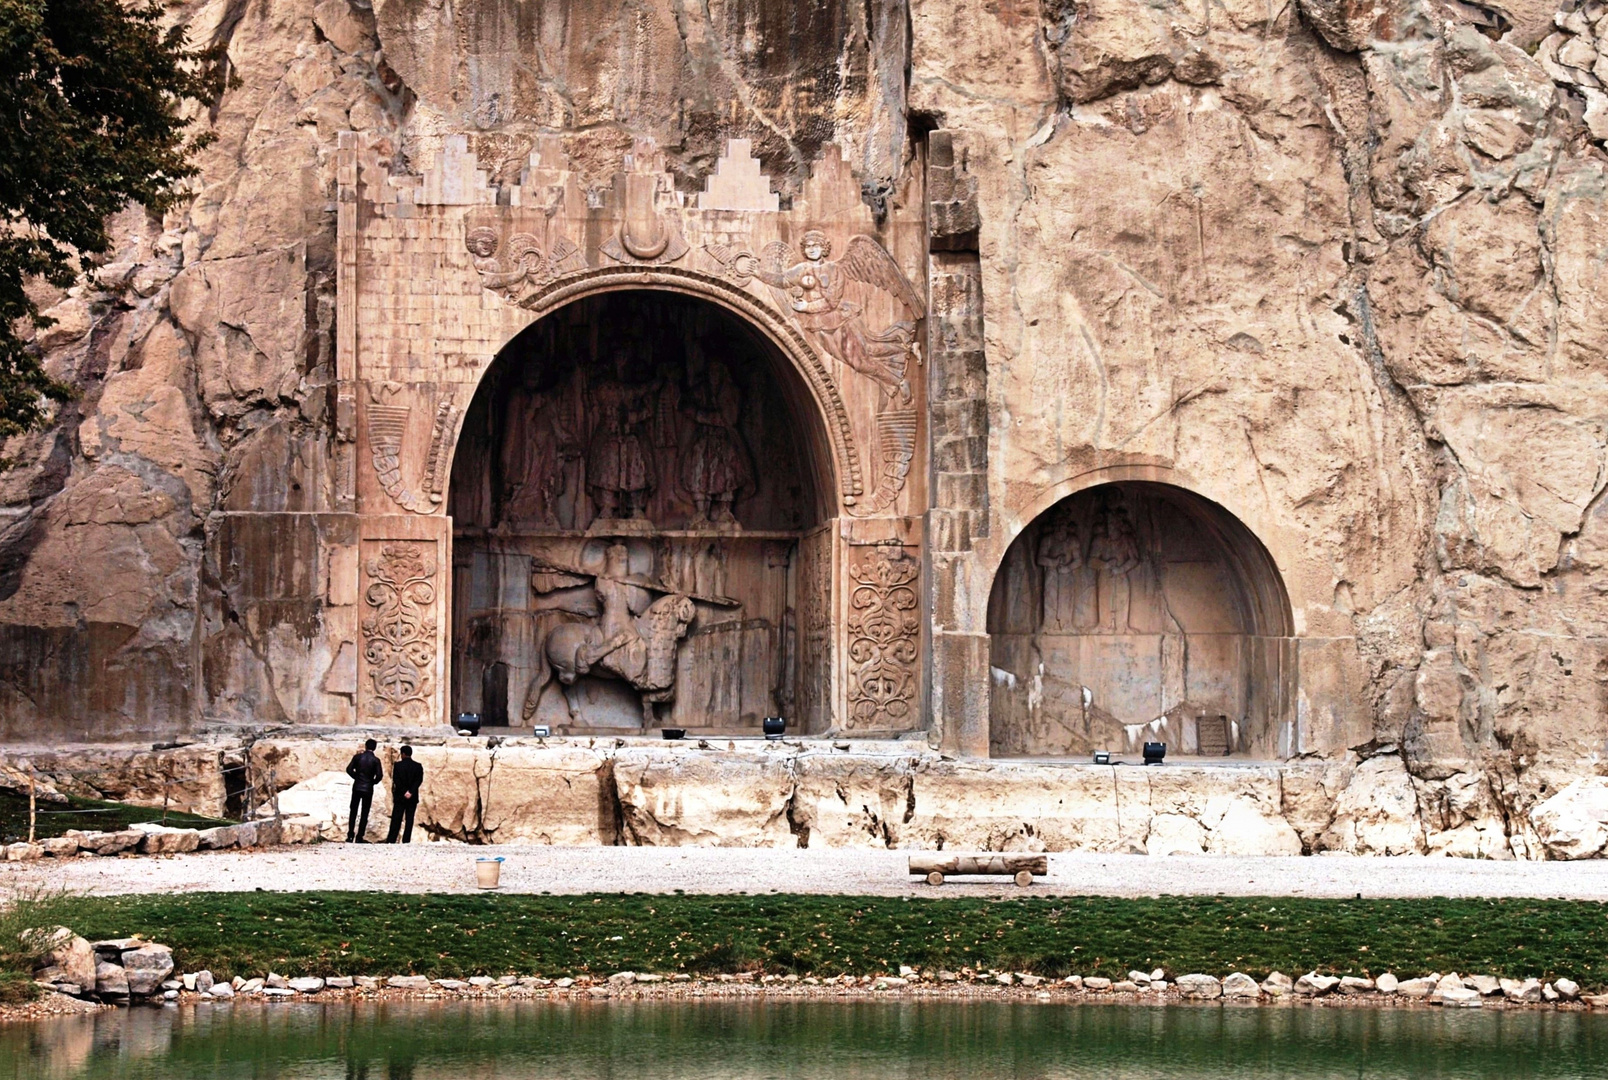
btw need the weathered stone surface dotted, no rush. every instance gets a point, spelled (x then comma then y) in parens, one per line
(704, 800)
(408, 982)
(1199, 986)
(1573, 824)
(71, 954)
(146, 967)
(1240, 985)
(104, 843)
(161, 840)
(111, 981)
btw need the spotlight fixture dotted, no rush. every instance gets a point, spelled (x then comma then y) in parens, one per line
(467, 723)
(1102, 757)
(541, 731)
(774, 726)
(673, 732)
(1154, 752)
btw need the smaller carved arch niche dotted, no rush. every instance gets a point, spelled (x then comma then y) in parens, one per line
(1135, 612)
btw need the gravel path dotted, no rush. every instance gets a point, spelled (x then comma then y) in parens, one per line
(450, 868)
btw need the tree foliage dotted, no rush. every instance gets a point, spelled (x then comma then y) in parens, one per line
(91, 93)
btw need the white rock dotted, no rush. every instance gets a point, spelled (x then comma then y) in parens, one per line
(1459, 997)
(1352, 984)
(1241, 985)
(1074, 981)
(408, 982)
(1125, 986)
(340, 982)
(147, 967)
(1386, 983)
(1278, 984)
(1030, 980)
(1199, 986)
(452, 984)
(222, 991)
(1312, 984)
(1485, 984)
(1416, 988)
(204, 982)
(1524, 990)
(1096, 983)
(1573, 824)
(1567, 989)
(1549, 992)
(482, 982)
(307, 984)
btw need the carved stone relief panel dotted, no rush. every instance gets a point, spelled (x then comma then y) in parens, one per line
(628, 413)
(400, 639)
(589, 633)
(882, 633)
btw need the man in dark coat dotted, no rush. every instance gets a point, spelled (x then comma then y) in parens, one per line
(365, 772)
(406, 777)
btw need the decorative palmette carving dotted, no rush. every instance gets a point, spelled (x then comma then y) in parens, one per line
(883, 632)
(399, 635)
(387, 432)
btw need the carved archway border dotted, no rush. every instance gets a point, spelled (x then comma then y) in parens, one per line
(786, 337)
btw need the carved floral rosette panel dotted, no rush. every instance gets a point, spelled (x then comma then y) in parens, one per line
(883, 631)
(401, 649)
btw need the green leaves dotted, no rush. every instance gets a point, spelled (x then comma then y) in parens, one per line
(90, 99)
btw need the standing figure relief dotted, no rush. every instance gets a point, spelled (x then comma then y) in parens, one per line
(715, 467)
(617, 467)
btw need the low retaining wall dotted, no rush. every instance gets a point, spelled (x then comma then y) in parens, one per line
(801, 793)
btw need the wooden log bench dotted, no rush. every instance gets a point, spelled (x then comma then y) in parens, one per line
(935, 866)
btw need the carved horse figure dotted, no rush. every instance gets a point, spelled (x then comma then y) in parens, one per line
(632, 640)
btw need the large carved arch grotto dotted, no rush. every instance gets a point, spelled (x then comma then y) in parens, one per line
(1139, 611)
(641, 496)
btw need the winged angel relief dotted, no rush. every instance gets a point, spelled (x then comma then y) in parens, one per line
(814, 288)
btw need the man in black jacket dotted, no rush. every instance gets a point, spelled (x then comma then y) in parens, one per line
(406, 777)
(365, 772)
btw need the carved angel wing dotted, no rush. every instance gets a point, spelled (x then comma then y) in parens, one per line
(866, 260)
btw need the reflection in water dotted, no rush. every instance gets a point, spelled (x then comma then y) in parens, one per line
(723, 1040)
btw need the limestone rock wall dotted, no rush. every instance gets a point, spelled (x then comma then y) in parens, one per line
(1339, 269)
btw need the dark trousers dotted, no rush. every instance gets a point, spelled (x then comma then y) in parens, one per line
(401, 818)
(356, 826)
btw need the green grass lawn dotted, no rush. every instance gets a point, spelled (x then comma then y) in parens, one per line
(378, 933)
(87, 814)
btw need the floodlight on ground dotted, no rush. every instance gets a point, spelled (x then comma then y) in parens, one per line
(1154, 752)
(1102, 757)
(467, 723)
(774, 726)
(673, 732)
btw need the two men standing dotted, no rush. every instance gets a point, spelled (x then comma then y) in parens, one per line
(366, 773)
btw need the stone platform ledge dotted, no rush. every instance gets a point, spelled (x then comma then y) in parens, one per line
(835, 792)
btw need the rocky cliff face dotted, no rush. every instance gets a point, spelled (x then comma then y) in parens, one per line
(1342, 268)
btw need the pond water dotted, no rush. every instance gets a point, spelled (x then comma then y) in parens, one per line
(722, 1040)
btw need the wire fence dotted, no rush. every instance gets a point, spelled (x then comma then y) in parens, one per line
(255, 794)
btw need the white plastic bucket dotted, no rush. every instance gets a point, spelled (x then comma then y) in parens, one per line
(488, 872)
